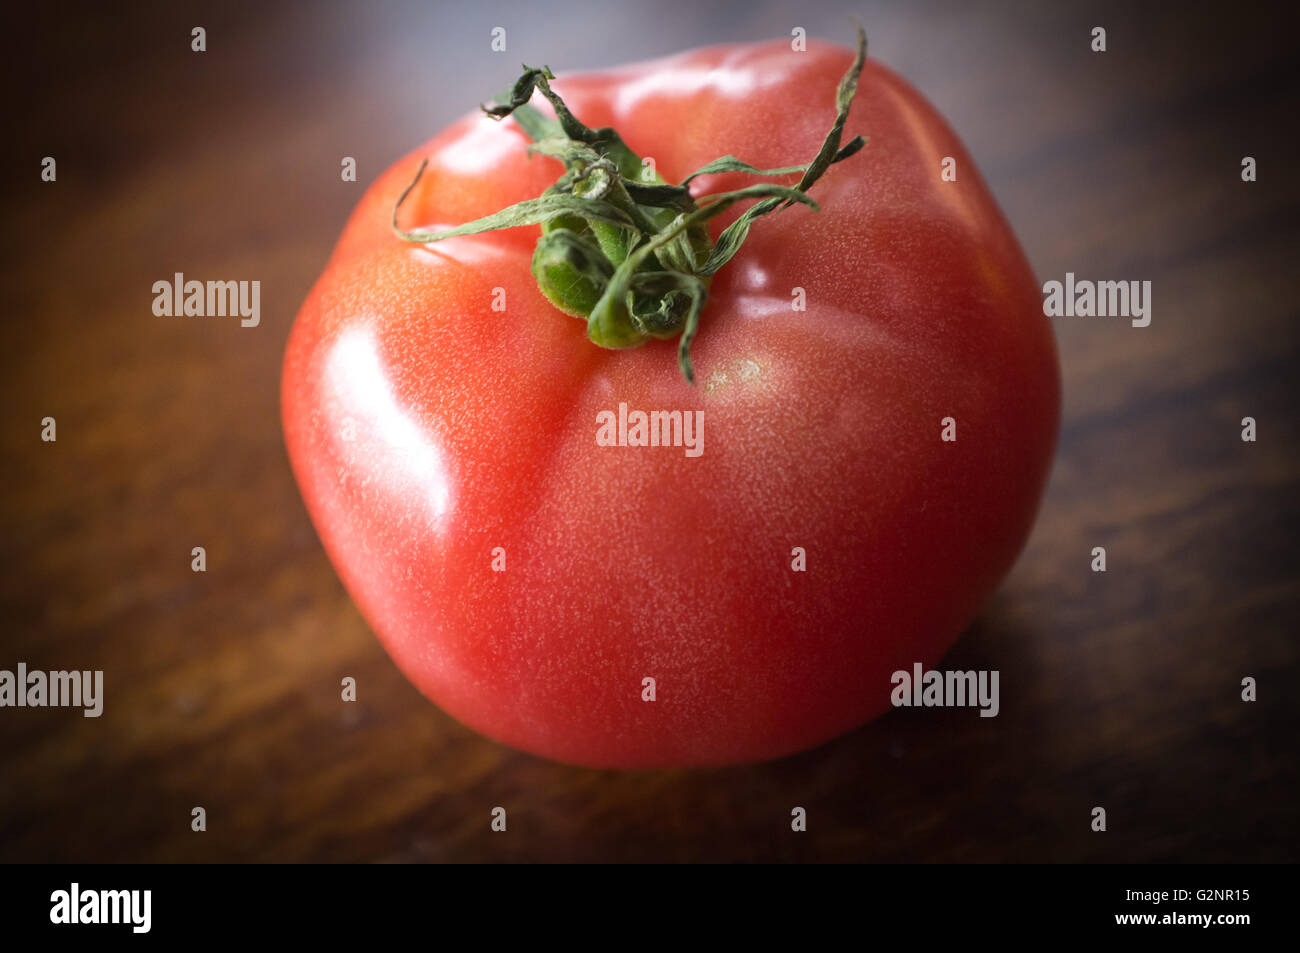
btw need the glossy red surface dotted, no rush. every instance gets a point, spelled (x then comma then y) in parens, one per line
(426, 429)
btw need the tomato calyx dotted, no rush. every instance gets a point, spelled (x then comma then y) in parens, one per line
(621, 248)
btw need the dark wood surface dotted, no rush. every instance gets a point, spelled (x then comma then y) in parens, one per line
(1119, 689)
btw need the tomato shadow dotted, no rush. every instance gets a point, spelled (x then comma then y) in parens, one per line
(916, 784)
(927, 784)
(923, 783)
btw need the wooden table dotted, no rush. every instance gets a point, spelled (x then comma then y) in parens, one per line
(223, 686)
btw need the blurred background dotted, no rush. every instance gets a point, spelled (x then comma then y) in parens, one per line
(1119, 689)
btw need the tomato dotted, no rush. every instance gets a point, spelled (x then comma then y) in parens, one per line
(443, 419)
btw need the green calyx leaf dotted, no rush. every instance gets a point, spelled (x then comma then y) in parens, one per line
(531, 212)
(621, 248)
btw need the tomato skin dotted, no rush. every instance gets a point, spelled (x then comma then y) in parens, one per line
(426, 429)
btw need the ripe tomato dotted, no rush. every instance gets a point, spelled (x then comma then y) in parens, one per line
(442, 416)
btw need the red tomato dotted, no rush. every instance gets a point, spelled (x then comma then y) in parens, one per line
(434, 436)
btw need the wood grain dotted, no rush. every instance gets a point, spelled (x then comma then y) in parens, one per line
(1119, 689)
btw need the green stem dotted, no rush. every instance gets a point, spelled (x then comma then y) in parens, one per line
(634, 258)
